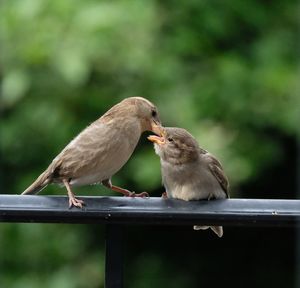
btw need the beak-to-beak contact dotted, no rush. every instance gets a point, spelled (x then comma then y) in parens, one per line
(156, 139)
(156, 128)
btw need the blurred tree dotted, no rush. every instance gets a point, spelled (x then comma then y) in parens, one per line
(226, 71)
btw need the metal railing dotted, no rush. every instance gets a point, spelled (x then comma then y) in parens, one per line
(115, 212)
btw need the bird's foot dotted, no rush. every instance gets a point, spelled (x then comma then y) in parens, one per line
(164, 195)
(75, 202)
(143, 194)
(125, 192)
(72, 199)
(133, 194)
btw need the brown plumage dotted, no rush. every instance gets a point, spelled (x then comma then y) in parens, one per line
(101, 149)
(188, 171)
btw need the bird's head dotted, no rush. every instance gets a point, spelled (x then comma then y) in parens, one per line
(146, 112)
(175, 145)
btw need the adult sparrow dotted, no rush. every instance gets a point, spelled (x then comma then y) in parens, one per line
(101, 149)
(188, 171)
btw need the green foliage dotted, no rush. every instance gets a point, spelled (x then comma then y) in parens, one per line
(224, 70)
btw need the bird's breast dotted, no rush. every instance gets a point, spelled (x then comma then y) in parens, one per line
(190, 182)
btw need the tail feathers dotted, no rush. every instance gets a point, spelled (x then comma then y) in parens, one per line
(41, 182)
(217, 229)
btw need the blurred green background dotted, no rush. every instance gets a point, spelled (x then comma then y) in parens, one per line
(227, 71)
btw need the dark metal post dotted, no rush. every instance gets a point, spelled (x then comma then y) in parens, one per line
(114, 257)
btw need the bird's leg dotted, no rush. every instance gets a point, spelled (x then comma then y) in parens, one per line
(72, 199)
(125, 192)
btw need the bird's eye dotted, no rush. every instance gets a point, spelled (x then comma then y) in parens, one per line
(154, 113)
(170, 139)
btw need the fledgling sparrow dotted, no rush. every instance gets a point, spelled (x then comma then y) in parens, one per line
(101, 149)
(188, 171)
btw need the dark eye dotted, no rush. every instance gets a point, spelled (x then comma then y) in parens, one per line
(154, 113)
(170, 139)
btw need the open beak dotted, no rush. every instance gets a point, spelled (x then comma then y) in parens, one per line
(157, 128)
(159, 131)
(156, 139)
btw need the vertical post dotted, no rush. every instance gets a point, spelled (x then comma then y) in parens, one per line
(114, 257)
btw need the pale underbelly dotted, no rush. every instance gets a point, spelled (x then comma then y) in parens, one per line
(188, 193)
(89, 179)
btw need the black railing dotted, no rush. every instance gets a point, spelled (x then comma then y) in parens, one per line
(117, 211)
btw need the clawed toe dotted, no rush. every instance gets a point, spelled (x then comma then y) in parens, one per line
(143, 194)
(164, 195)
(75, 202)
(72, 200)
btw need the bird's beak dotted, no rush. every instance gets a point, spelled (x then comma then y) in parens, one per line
(156, 128)
(156, 139)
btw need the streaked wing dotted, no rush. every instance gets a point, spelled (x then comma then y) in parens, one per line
(90, 149)
(217, 170)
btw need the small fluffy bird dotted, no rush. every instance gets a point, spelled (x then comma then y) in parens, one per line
(188, 171)
(101, 149)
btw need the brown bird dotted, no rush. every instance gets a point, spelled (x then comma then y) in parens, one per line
(188, 171)
(101, 149)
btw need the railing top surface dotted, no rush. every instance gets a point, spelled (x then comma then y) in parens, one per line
(153, 210)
